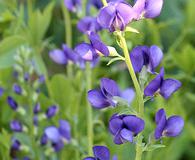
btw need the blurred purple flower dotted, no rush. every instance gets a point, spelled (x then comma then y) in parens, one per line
(88, 24)
(73, 5)
(17, 89)
(58, 56)
(51, 111)
(103, 97)
(1, 91)
(170, 127)
(15, 145)
(166, 87)
(37, 108)
(57, 136)
(26, 76)
(16, 126)
(146, 56)
(125, 127)
(41, 79)
(12, 103)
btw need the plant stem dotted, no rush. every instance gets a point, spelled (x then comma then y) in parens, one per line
(89, 111)
(139, 92)
(104, 2)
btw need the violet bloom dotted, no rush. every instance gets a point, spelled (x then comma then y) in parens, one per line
(15, 145)
(165, 87)
(72, 5)
(100, 153)
(104, 97)
(41, 79)
(146, 56)
(12, 103)
(1, 91)
(115, 16)
(58, 56)
(16, 126)
(17, 89)
(51, 111)
(57, 136)
(88, 24)
(170, 127)
(125, 127)
(26, 77)
(37, 108)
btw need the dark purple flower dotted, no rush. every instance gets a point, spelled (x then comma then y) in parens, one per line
(51, 111)
(69, 53)
(41, 79)
(26, 76)
(147, 8)
(12, 103)
(125, 127)
(26, 158)
(100, 153)
(58, 56)
(16, 126)
(166, 87)
(146, 56)
(1, 91)
(17, 89)
(103, 97)
(72, 5)
(115, 16)
(35, 120)
(37, 108)
(170, 127)
(15, 145)
(88, 24)
(44, 140)
(57, 136)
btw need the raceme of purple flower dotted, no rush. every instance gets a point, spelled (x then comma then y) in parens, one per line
(165, 87)
(146, 56)
(1, 91)
(51, 111)
(100, 153)
(57, 136)
(170, 127)
(116, 15)
(103, 97)
(16, 126)
(88, 24)
(73, 5)
(125, 127)
(12, 103)
(17, 89)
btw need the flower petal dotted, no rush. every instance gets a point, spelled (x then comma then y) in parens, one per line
(134, 124)
(65, 130)
(155, 84)
(58, 56)
(109, 87)
(70, 54)
(169, 86)
(118, 139)
(58, 145)
(127, 135)
(174, 126)
(115, 125)
(89, 158)
(153, 8)
(128, 94)
(52, 134)
(101, 152)
(97, 99)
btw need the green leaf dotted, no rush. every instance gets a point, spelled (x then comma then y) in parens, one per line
(115, 59)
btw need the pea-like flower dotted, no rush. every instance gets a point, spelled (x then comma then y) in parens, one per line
(100, 153)
(12, 103)
(104, 97)
(125, 127)
(51, 111)
(115, 16)
(170, 127)
(73, 5)
(37, 108)
(165, 87)
(88, 24)
(16, 126)
(57, 136)
(17, 89)
(146, 56)
(58, 56)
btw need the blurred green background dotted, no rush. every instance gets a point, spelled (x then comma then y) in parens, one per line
(43, 28)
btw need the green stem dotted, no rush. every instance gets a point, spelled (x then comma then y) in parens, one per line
(89, 111)
(104, 2)
(139, 92)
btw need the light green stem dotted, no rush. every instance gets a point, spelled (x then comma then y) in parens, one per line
(104, 2)
(139, 93)
(89, 111)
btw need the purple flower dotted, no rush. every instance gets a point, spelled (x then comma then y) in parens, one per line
(58, 56)
(170, 127)
(103, 97)
(57, 136)
(100, 153)
(51, 111)
(26, 77)
(1, 91)
(16, 126)
(12, 103)
(166, 87)
(17, 89)
(37, 108)
(35, 120)
(41, 79)
(115, 16)
(125, 127)
(88, 24)
(146, 56)
(147, 8)
(15, 145)
(72, 5)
